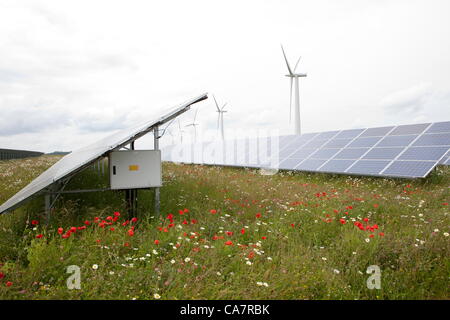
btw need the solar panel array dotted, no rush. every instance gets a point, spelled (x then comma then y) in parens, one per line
(407, 151)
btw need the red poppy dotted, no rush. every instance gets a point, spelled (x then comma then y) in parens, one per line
(215, 237)
(87, 222)
(181, 212)
(65, 236)
(112, 229)
(213, 211)
(126, 223)
(342, 221)
(2, 275)
(229, 233)
(81, 228)
(156, 242)
(264, 238)
(229, 243)
(381, 234)
(39, 236)
(109, 218)
(186, 210)
(73, 229)
(258, 215)
(9, 284)
(60, 230)
(185, 222)
(366, 219)
(34, 222)
(98, 240)
(134, 220)
(126, 244)
(130, 233)
(371, 236)
(243, 230)
(116, 214)
(193, 221)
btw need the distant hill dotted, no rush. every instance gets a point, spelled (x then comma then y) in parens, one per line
(59, 153)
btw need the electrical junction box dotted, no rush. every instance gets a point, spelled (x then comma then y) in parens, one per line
(135, 169)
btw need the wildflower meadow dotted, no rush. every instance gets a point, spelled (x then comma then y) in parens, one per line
(228, 233)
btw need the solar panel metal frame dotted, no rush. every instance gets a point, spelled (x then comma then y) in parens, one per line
(134, 133)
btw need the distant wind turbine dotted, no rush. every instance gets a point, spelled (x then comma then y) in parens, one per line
(180, 131)
(194, 125)
(294, 77)
(221, 111)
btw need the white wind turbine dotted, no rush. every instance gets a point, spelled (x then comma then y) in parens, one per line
(180, 131)
(294, 77)
(221, 111)
(194, 125)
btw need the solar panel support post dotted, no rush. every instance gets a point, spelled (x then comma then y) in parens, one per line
(156, 147)
(131, 195)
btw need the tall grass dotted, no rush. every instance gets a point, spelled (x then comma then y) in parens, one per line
(227, 233)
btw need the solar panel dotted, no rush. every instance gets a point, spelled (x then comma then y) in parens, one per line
(409, 168)
(336, 166)
(364, 142)
(79, 159)
(434, 139)
(383, 153)
(423, 153)
(354, 153)
(396, 141)
(367, 167)
(409, 129)
(374, 151)
(439, 127)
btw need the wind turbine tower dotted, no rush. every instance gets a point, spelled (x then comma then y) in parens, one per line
(294, 78)
(221, 111)
(194, 125)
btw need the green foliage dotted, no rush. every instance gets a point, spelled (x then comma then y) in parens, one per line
(294, 244)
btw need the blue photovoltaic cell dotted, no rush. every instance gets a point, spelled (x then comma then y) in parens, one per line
(368, 166)
(435, 139)
(287, 152)
(439, 127)
(289, 164)
(337, 166)
(324, 154)
(409, 168)
(302, 153)
(349, 134)
(383, 153)
(351, 153)
(364, 142)
(310, 164)
(315, 144)
(337, 143)
(376, 132)
(409, 129)
(325, 135)
(423, 153)
(396, 141)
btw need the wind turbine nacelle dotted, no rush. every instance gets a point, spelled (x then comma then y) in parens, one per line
(296, 75)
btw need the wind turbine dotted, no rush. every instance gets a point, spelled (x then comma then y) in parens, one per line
(294, 78)
(193, 124)
(180, 131)
(221, 111)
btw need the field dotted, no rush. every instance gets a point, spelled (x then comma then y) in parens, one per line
(229, 233)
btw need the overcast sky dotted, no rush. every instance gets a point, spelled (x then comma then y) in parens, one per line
(75, 71)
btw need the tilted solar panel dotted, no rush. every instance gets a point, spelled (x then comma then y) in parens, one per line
(79, 159)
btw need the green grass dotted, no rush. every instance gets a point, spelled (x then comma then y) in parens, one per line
(296, 249)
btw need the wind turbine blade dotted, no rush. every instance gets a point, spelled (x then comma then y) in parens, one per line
(297, 63)
(287, 63)
(218, 120)
(290, 102)
(217, 106)
(223, 107)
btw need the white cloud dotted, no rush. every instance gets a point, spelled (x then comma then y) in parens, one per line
(71, 69)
